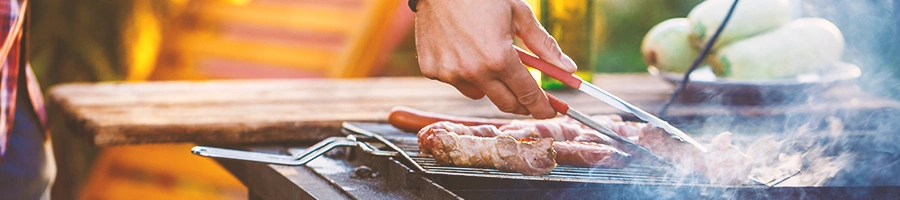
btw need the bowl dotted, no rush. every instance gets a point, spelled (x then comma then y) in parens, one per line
(706, 88)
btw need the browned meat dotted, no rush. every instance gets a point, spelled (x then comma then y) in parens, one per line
(588, 154)
(479, 130)
(528, 129)
(577, 153)
(682, 154)
(595, 137)
(529, 157)
(547, 129)
(723, 163)
(630, 130)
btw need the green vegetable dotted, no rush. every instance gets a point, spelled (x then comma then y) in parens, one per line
(750, 17)
(802, 46)
(666, 46)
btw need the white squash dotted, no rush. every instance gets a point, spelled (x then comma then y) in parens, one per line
(750, 17)
(666, 46)
(802, 46)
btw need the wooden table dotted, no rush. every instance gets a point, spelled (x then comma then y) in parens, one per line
(251, 111)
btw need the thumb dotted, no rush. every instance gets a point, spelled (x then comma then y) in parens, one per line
(537, 39)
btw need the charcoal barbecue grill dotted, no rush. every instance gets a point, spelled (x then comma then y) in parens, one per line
(409, 175)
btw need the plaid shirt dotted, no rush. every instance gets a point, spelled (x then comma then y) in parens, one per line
(12, 25)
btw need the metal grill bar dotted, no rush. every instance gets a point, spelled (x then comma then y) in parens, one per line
(633, 174)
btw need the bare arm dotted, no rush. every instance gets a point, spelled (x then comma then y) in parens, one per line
(468, 44)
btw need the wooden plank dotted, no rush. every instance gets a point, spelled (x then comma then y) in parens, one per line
(242, 111)
(279, 90)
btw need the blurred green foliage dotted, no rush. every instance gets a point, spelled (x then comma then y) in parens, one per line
(76, 41)
(627, 23)
(82, 40)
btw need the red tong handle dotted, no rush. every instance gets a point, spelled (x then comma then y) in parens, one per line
(558, 104)
(552, 71)
(549, 69)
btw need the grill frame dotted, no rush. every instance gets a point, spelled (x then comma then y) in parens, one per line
(470, 186)
(477, 186)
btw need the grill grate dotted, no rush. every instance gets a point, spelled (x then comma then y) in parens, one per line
(632, 174)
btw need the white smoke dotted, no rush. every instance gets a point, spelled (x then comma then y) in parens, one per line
(789, 162)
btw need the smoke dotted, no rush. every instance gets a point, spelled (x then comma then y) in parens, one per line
(871, 29)
(803, 160)
(823, 149)
(817, 142)
(841, 148)
(824, 139)
(835, 148)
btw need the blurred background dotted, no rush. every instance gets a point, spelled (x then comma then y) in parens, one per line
(114, 40)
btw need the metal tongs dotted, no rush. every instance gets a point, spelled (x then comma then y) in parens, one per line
(311, 153)
(608, 98)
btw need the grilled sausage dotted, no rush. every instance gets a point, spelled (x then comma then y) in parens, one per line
(529, 157)
(411, 120)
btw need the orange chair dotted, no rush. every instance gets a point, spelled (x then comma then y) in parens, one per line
(282, 38)
(219, 39)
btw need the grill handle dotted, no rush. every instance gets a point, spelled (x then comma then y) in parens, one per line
(351, 129)
(311, 153)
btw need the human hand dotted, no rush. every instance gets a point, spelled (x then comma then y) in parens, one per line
(468, 44)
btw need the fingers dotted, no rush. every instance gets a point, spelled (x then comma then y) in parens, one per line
(499, 76)
(467, 44)
(482, 74)
(466, 88)
(507, 84)
(537, 39)
(526, 90)
(448, 76)
(502, 97)
(512, 88)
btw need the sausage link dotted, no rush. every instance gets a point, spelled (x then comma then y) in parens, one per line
(411, 120)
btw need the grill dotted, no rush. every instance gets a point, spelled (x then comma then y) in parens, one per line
(401, 173)
(633, 181)
(640, 179)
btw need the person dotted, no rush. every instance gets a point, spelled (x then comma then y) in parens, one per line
(27, 167)
(468, 44)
